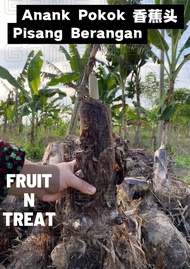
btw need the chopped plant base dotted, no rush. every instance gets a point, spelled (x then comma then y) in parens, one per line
(138, 218)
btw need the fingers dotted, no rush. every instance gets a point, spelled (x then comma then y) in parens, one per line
(69, 179)
(74, 166)
(81, 185)
(75, 183)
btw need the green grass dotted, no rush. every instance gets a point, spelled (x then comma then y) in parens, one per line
(182, 168)
(179, 149)
(34, 152)
(182, 161)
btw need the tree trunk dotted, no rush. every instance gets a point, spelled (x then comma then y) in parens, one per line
(81, 91)
(166, 125)
(138, 131)
(161, 89)
(5, 123)
(32, 130)
(124, 120)
(16, 118)
(5, 115)
(153, 139)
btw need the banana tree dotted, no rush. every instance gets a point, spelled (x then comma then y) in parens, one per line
(5, 105)
(106, 85)
(21, 79)
(71, 79)
(89, 65)
(34, 99)
(153, 117)
(174, 60)
(11, 112)
(7, 113)
(120, 68)
(123, 61)
(138, 56)
(77, 65)
(77, 62)
(109, 93)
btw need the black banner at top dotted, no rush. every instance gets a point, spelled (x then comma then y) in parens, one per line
(85, 24)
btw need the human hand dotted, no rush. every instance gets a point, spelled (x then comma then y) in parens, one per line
(67, 179)
(62, 178)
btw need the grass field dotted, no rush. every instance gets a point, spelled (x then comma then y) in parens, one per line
(179, 149)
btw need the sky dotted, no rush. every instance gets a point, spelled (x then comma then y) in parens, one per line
(13, 57)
